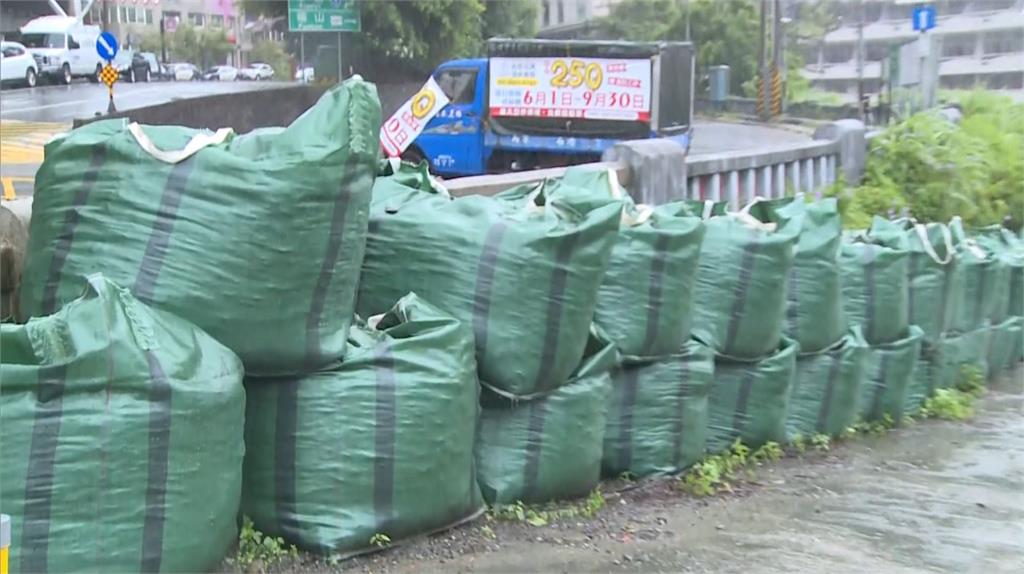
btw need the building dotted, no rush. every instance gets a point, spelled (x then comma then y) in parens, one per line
(556, 16)
(981, 43)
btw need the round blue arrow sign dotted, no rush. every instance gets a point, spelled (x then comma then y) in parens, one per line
(106, 46)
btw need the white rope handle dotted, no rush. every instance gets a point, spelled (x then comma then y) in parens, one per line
(709, 207)
(922, 234)
(198, 142)
(746, 208)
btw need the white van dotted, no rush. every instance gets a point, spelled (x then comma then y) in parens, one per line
(63, 47)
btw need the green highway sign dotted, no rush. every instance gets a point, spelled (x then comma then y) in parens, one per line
(323, 16)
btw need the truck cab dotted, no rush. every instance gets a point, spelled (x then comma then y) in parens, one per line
(503, 114)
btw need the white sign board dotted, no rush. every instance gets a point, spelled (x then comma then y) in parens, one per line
(592, 88)
(408, 122)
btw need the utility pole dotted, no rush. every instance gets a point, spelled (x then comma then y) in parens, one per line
(762, 66)
(860, 60)
(776, 66)
(687, 20)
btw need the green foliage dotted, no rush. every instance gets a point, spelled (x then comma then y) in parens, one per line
(510, 18)
(933, 169)
(420, 35)
(821, 442)
(543, 514)
(380, 540)
(799, 444)
(950, 405)
(254, 547)
(715, 472)
(970, 380)
(769, 452)
(875, 427)
(272, 54)
(204, 48)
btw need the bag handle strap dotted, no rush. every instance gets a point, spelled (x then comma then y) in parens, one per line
(922, 234)
(709, 208)
(746, 208)
(195, 145)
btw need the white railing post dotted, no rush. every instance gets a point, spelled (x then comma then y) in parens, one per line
(822, 175)
(715, 192)
(734, 187)
(766, 181)
(780, 180)
(751, 186)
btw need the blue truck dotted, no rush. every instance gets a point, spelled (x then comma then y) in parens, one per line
(532, 104)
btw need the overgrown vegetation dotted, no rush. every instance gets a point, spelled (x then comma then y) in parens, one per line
(543, 514)
(931, 169)
(716, 472)
(274, 55)
(380, 540)
(254, 547)
(957, 403)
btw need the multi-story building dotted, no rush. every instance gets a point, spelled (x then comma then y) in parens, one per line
(555, 15)
(981, 43)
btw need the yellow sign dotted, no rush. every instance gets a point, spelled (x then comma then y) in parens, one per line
(109, 75)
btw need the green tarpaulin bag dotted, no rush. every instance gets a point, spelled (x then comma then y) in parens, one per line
(1004, 345)
(934, 287)
(1009, 251)
(257, 239)
(966, 351)
(979, 285)
(814, 303)
(826, 389)
(646, 298)
(381, 443)
(657, 413)
(547, 448)
(122, 439)
(888, 371)
(522, 268)
(874, 275)
(929, 375)
(740, 300)
(749, 400)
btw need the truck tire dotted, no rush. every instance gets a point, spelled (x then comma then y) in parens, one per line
(146, 77)
(131, 75)
(30, 78)
(65, 74)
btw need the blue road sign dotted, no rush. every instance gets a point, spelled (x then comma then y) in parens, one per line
(106, 46)
(924, 18)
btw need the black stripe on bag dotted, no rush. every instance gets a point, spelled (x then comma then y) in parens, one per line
(384, 438)
(914, 257)
(163, 226)
(677, 424)
(67, 232)
(870, 257)
(979, 297)
(35, 533)
(486, 268)
(285, 435)
(159, 452)
(629, 391)
(750, 252)
(332, 254)
(655, 299)
(943, 308)
(556, 300)
(880, 387)
(830, 383)
(739, 416)
(534, 446)
(793, 306)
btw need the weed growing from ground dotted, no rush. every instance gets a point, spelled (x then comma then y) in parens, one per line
(950, 405)
(715, 472)
(821, 442)
(380, 540)
(254, 546)
(543, 514)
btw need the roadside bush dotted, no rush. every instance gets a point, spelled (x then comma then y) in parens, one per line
(274, 55)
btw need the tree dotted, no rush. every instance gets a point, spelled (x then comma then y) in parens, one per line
(273, 54)
(512, 18)
(202, 48)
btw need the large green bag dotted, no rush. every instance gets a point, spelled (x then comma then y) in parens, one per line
(749, 400)
(888, 371)
(523, 268)
(122, 439)
(1009, 251)
(929, 374)
(1004, 345)
(980, 288)
(826, 389)
(934, 287)
(257, 239)
(742, 281)
(814, 303)
(657, 413)
(547, 448)
(966, 351)
(873, 269)
(646, 298)
(381, 443)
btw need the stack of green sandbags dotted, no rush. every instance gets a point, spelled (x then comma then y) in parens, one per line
(874, 276)
(549, 447)
(257, 239)
(523, 268)
(889, 371)
(750, 400)
(1006, 343)
(826, 389)
(657, 412)
(381, 443)
(122, 439)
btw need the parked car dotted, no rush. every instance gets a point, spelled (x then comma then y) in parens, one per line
(221, 73)
(305, 75)
(133, 67)
(185, 72)
(257, 71)
(62, 47)
(17, 65)
(155, 70)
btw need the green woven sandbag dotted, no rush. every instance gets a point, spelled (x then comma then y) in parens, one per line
(122, 439)
(814, 303)
(929, 375)
(546, 448)
(826, 389)
(257, 239)
(646, 298)
(934, 286)
(705, 208)
(873, 272)
(1009, 251)
(1004, 345)
(657, 413)
(381, 443)
(888, 371)
(740, 300)
(979, 278)
(749, 400)
(522, 268)
(966, 354)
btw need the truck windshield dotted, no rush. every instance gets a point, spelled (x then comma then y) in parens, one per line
(39, 40)
(458, 84)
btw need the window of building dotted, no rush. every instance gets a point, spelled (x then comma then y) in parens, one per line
(122, 14)
(581, 10)
(217, 20)
(197, 20)
(1003, 43)
(546, 9)
(561, 12)
(149, 16)
(956, 46)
